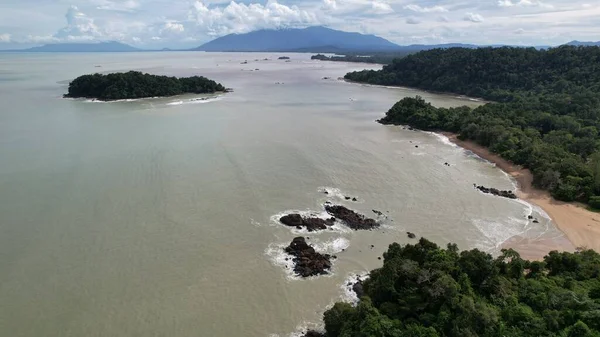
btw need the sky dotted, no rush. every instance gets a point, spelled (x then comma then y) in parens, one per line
(189, 23)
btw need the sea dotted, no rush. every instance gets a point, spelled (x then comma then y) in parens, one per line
(159, 217)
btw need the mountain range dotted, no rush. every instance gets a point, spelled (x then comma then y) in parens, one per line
(309, 39)
(312, 39)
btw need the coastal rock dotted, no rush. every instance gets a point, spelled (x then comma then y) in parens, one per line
(358, 288)
(411, 235)
(497, 192)
(377, 212)
(313, 333)
(536, 221)
(311, 224)
(307, 262)
(352, 219)
(354, 199)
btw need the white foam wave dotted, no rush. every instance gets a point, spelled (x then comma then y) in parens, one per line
(196, 100)
(348, 294)
(332, 192)
(93, 100)
(496, 233)
(278, 256)
(332, 246)
(302, 328)
(445, 140)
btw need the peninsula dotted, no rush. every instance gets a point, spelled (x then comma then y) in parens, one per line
(134, 84)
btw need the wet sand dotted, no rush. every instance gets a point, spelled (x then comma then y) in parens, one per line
(580, 226)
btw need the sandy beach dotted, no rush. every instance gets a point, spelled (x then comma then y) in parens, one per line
(580, 226)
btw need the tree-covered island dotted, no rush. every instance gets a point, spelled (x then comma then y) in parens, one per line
(545, 115)
(134, 84)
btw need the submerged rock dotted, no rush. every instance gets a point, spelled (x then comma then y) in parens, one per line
(307, 262)
(497, 192)
(411, 235)
(352, 219)
(311, 224)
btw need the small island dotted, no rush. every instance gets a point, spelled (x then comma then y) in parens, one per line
(283, 58)
(134, 84)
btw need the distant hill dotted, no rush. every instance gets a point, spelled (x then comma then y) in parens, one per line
(583, 43)
(307, 39)
(82, 48)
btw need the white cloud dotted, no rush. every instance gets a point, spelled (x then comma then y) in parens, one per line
(241, 18)
(524, 3)
(5, 38)
(118, 5)
(473, 17)
(380, 7)
(329, 5)
(172, 26)
(79, 27)
(412, 21)
(519, 31)
(432, 9)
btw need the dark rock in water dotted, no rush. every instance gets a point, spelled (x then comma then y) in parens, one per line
(530, 217)
(307, 261)
(328, 202)
(311, 224)
(313, 333)
(372, 246)
(378, 212)
(411, 128)
(352, 219)
(496, 192)
(326, 192)
(411, 235)
(379, 258)
(536, 221)
(416, 145)
(354, 199)
(292, 220)
(358, 289)
(347, 198)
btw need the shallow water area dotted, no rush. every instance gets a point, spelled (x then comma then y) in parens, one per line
(160, 216)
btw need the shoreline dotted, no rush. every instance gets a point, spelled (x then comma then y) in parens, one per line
(580, 226)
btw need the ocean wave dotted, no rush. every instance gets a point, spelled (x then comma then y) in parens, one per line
(445, 140)
(496, 233)
(201, 100)
(348, 294)
(94, 100)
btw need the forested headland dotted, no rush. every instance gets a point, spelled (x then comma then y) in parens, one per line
(374, 58)
(134, 84)
(423, 290)
(545, 117)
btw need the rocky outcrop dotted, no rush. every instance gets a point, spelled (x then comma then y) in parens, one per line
(351, 219)
(411, 235)
(496, 192)
(313, 333)
(307, 261)
(311, 224)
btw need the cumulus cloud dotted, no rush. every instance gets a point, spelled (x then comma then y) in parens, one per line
(412, 21)
(523, 3)
(5, 38)
(473, 17)
(79, 27)
(118, 5)
(519, 31)
(432, 9)
(242, 18)
(329, 4)
(380, 7)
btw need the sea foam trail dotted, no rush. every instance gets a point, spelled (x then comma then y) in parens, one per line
(196, 101)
